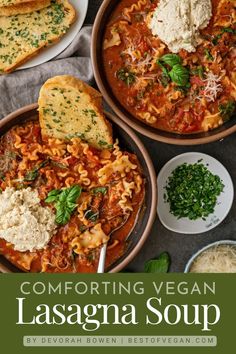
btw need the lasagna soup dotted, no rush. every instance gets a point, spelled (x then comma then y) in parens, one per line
(184, 91)
(92, 195)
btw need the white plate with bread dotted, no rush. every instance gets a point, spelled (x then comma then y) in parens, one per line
(35, 31)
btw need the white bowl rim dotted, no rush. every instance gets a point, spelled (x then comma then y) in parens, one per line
(205, 248)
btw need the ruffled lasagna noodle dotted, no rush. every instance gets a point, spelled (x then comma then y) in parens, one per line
(112, 194)
(130, 56)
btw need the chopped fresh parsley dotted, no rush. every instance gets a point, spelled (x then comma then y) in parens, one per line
(35, 43)
(97, 190)
(216, 39)
(102, 143)
(208, 55)
(92, 114)
(227, 110)
(126, 76)
(192, 191)
(199, 71)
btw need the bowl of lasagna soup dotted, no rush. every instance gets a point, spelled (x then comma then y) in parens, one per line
(170, 77)
(60, 201)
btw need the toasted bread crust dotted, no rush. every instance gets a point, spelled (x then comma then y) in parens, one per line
(77, 121)
(13, 2)
(27, 55)
(24, 7)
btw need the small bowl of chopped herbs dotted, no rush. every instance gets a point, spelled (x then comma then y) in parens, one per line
(195, 193)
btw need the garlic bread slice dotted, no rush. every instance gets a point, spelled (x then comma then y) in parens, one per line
(70, 108)
(16, 7)
(23, 36)
(13, 2)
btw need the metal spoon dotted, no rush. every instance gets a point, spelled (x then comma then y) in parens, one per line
(103, 252)
(102, 259)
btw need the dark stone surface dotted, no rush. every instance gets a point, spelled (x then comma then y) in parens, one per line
(92, 10)
(181, 247)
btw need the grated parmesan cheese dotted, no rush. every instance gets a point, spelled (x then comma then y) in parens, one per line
(212, 87)
(23, 221)
(217, 259)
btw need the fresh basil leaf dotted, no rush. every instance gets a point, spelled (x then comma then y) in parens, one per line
(65, 200)
(164, 79)
(63, 196)
(171, 59)
(59, 165)
(63, 215)
(102, 190)
(51, 199)
(74, 193)
(54, 192)
(71, 206)
(59, 214)
(228, 30)
(52, 196)
(30, 176)
(165, 71)
(180, 75)
(160, 264)
(42, 164)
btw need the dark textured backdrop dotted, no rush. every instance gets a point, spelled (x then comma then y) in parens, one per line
(181, 247)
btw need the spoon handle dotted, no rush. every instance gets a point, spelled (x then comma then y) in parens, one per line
(102, 259)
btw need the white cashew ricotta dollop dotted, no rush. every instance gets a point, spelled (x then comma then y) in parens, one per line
(177, 22)
(23, 221)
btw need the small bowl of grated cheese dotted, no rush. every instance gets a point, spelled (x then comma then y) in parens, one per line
(218, 257)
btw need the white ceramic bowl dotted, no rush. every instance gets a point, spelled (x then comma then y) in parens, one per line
(224, 201)
(214, 244)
